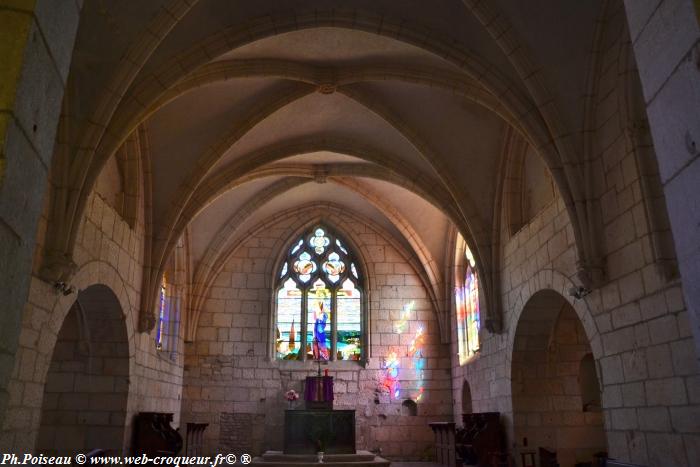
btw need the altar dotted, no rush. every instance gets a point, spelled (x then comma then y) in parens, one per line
(311, 431)
(319, 428)
(318, 433)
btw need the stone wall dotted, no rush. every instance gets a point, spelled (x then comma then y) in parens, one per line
(108, 252)
(229, 369)
(639, 333)
(636, 321)
(36, 47)
(665, 36)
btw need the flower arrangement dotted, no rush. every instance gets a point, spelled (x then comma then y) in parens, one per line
(291, 397)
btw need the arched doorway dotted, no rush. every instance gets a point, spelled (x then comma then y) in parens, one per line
(551, 370)
(87, 385)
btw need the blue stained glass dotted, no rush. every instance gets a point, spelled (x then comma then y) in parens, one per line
(309, 336)
(161, 317)
(319, 241)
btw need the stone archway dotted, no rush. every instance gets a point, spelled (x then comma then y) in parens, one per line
(550, 349)
(84, 405)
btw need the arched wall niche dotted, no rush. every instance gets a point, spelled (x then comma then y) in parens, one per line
(528, 186)
(537, 186)
(120, 181)
(110, 183)
(84, 405)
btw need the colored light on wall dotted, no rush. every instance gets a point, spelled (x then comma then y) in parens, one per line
(415, 351)
(390, 379)
(402, 325)
(391, 366)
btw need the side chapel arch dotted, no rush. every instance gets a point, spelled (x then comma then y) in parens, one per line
(549, 407)
(86, 393)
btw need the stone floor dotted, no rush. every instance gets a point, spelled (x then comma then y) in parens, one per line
(279, 459)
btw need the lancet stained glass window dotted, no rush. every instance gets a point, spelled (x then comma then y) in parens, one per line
(168, 317)
(468, 313)
(319, 300)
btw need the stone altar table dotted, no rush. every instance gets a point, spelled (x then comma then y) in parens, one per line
(311, 431)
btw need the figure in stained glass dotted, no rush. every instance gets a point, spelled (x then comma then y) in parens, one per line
(320, 351)
(316, 291)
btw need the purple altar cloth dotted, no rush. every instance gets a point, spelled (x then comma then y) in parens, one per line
(318, 389)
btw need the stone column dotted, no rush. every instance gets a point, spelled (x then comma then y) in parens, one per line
(36, 45)
(666, 39)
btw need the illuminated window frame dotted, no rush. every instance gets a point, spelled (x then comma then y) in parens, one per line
(308, 242)
(168, 305)
(468, 309)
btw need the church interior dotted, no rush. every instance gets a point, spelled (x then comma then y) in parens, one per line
(459, 232)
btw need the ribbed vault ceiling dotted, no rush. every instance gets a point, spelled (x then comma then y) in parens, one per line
(396, 111)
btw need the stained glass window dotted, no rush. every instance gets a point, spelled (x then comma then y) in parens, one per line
(168, 317)
(162, 314)
(468, 313)
(319, 301)
(170, 294)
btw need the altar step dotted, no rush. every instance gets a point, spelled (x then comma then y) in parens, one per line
(279, 459)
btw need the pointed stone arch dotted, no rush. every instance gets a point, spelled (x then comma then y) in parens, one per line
(47, 325)
(86, 393)
(549, 409)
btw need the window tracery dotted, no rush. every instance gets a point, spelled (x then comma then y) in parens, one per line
(319, 301)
